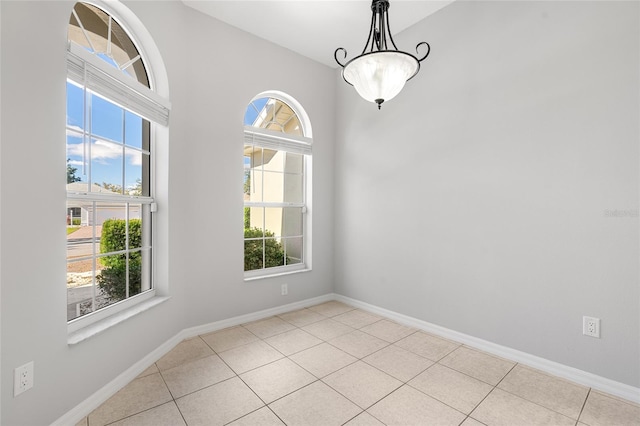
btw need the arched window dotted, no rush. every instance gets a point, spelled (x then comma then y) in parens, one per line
(111, 111)
(277, 161)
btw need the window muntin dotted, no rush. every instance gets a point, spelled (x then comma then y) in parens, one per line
(275, 194)
(109, 179)
(97, 31)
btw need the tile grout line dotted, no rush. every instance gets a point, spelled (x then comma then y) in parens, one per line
(489, 393)
(535, 403)
(403, 383)
(240, 378)
(284, 357)
(357, 358)
(584, 404)
(171, 393)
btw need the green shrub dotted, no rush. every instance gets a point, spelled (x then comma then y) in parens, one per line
(112, 279)
(273, 251)
(247, 217)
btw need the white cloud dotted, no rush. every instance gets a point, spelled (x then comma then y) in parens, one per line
(135, 157)
(102, 151)
(75, 131)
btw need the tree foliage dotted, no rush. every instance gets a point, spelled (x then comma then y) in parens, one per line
(253, 250)
(112, 279)
(247, 217)
(247, 182)
(114, 187)
(71, 173)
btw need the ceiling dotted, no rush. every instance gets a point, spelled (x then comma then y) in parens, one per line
(316, 28)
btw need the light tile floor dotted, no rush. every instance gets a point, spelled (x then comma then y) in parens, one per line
(331, 364)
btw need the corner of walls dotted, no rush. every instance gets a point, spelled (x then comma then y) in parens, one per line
(497, 194)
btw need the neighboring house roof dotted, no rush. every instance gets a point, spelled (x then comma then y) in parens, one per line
(82, 187)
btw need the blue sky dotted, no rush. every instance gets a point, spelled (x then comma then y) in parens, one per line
(252, 112)
(250, 115)
(110, 134)
(112, 139)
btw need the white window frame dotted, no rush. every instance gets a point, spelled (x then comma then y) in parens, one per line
(269, 139)
(87, 70)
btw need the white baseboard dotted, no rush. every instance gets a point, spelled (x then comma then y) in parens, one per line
(83, 409)
(584, 378)
(254, 316)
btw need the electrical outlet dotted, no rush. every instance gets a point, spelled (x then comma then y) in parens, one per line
(22, 378)
(285, 289)
(591, 326)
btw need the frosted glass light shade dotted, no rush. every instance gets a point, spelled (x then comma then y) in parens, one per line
(380, 76)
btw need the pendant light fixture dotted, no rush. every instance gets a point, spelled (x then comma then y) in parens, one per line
(379, 73)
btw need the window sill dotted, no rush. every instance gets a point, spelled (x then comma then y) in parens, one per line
(98, 327)
(276, 274)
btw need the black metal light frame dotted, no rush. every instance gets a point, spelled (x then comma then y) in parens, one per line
(379, 33)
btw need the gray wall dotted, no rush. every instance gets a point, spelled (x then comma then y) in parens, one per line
(214, 71)
(478, 198)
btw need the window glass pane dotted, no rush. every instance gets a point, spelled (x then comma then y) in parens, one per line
(135, 273)
(287, 119)
(146, 226)
(146, 272)
(133, 171)
(135, 226)
(106, 167)
(293, 188)
(253, 254)
(115, 49)
(273, 221)
(293, 163)
(273, 160)
(143, 188)
(293, 249)
(272, 114)
(80, 240)
(254, 154)
(273, 253)
(246, 179)
(292, 222)
(107, 119)
(273, 187)
(254, 108)
(255, 185)
(80, 289)
(133, 129)
(111, 222)
(112, 280)
(254, 216)
(80, 260)
(76, 177)
(75, 106)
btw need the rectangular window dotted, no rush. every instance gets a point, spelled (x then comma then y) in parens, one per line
(275, 206)
(108, 203)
